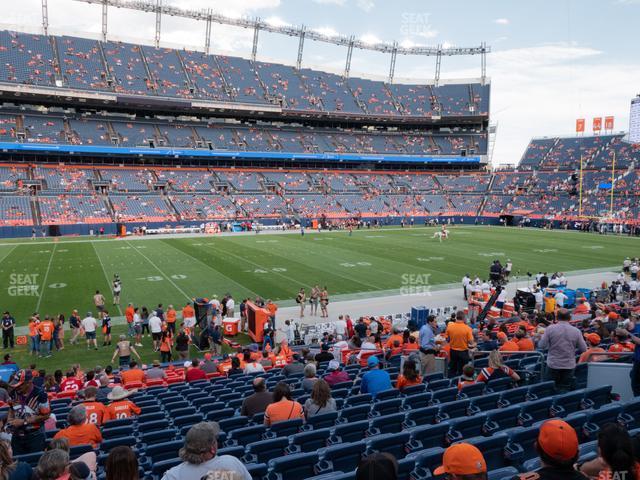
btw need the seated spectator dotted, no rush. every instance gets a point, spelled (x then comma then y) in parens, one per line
(496, 369)
(467, 377)
(209, 365)
(53, 465)
(120, 407)
(377, 466)
(295, 367)
(11, 469)
(397, 336)
(582, 308)
(524, 343)
(104, 389)
(199, 457)
(258, 401)
(95, 410)
(283, 407)
(121, 464)
(506, 345)
(621, 343)
(368, 345)
(487, 341)
(593, 340)
(375, 380)
(615, 455)
(324, 355)
(336, 374)
(462, 461)
(235, 369)
(558, 449)
(79, 432)
(195, 372)
(309, 377)
(409, 376)
(265, 361)
(134, 375)
(251, 365)
(155, 372)
(84, 466)
(320, 400)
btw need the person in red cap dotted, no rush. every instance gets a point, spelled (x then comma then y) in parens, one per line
(593, 340)
(558, 449)
(462, 461)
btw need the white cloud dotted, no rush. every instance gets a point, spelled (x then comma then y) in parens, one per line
(366, 5)
(501, 21)
(276, 21)
(329, 31)
(370, 38)
(330, 2)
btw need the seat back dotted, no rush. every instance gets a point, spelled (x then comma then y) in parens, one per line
(311, 441)
(287, 427)
(264, 450)
(293, 467)
(344, 457)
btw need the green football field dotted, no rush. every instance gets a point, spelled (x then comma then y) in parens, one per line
(55, 277)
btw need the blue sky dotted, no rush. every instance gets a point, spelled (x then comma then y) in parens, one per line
(552, 61)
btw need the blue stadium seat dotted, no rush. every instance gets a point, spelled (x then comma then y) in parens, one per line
(262, 451)
(321, 421)
(421, 416)
(501, 419)
(349, 432)
(630, 415)
(107, 445)
(293, 467)
(123, 431)
(445, 395)
(428, 436)
(426, 461)
(475, 390)
(393, 443)
(344, 457)
(505, 473)
(387, 394)
(285, 428)
(541, 390)
(499, 385)
(484, 403)
(308, 441)
(187, 420)
(414, 389)
(461, 428)
(158, 468)
(535, 411)
(513, 396)
(391, 423)
(163, 451)
(596, 397)
(492, 449)
(440, 384)
(217, 415)
(353, 400)
(459, 408)
(385, 407)
(354, 414)
(157, 436)
(600, 417)
(245, 435)
(228, 424)
(417, 400)
(521, 445)
(257, 470)
(567, 403)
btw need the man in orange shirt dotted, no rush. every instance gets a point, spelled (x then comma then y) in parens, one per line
(134, 374)
(621, 343)
(273, 308)
(525, 344)
(128, 314)
(45, 330)
(171, 319)
(593, 340)
(120, 407)
(396, 337)
(79, 432)
(506, 345)
(460, 341)
(95, 410)
(189, 316)
(33, 335)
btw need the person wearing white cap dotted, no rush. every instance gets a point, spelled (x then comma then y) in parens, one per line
(120, 407)
(89, 324)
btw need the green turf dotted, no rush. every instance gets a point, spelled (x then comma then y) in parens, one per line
(173, 270)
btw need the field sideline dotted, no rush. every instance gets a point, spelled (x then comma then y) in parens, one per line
(54, 277)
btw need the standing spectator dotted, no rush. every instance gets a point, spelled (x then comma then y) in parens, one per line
(34, 337)
(128, 315)
(301, 300)
(8, 324)
(199, 457)
(562, 340)
(155, 326)
(410, 375)
(283, 407)
(29, 409)
(258, 401)
(462, 461)
(117, 288)
(314, 300)
(466, 283)
(189, 316)
(320, 401)
(58, 332)
(137, 326)
(231, 306)
(558, 449)
(89, 324)
(324, 303)
(121, 464)
(11, 469)
(460, 340)
(120, 407)
(182, 344)
(99, 301)
(427, 340)
(74, 323)
(171, 317)
(336, 374)
(106, 329)
(45, 331)
(124, 349)
(361, 328)
(375, 380)
(80, 431)
(166, 344)
(251, 365)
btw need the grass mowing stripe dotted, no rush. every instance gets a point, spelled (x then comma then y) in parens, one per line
(160, 272)
(212, 269)
(46, 274)
(104, 271)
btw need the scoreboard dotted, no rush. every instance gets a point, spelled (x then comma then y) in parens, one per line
(634, 121)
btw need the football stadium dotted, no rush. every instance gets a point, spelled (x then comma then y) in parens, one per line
(385, 258)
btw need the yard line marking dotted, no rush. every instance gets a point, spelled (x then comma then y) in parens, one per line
(161, 273)
(215, 270)
(46, 274)
(8, 253)
(93, 244)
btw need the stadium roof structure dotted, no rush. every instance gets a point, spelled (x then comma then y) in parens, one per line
(302, 32)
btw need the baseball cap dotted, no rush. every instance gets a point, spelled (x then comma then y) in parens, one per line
(593, 338)
(187, 364)
(462, 459)
(20, 377)
(200, 438)
(207, 356)
(558, 440)
(334, 365)
(613, 316)
(372, 361)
